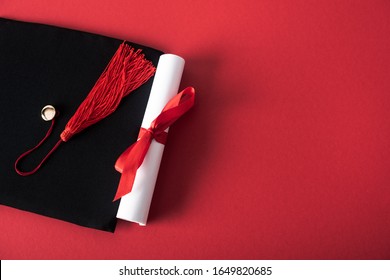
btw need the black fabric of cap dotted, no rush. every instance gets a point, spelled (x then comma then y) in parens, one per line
(45, 65)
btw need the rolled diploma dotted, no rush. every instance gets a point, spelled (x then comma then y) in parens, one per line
(134, 207)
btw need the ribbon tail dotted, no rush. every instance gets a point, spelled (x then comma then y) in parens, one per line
(121, 161)
(126, 182)
(175, 108)
(129, 162)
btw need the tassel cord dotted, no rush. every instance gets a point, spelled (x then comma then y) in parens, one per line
(22, 156)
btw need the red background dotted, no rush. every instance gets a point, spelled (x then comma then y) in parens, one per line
(286, 154)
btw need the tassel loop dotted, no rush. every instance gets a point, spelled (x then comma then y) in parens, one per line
(22, 156)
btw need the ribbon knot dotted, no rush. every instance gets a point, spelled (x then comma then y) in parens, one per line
(132, 158)
(156, 134)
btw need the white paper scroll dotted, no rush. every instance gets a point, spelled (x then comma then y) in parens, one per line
(134, 207)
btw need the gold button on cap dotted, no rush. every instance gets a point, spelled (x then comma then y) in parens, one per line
(48, 113)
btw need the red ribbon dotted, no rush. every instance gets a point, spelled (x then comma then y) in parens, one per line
(131, 159)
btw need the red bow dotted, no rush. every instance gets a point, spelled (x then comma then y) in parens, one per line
(131, 159)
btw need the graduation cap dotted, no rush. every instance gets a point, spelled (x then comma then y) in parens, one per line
(75, 81)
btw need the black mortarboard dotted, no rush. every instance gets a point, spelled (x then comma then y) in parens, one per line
(41, 65)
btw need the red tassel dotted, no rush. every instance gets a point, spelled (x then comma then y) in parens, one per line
(127, 70)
